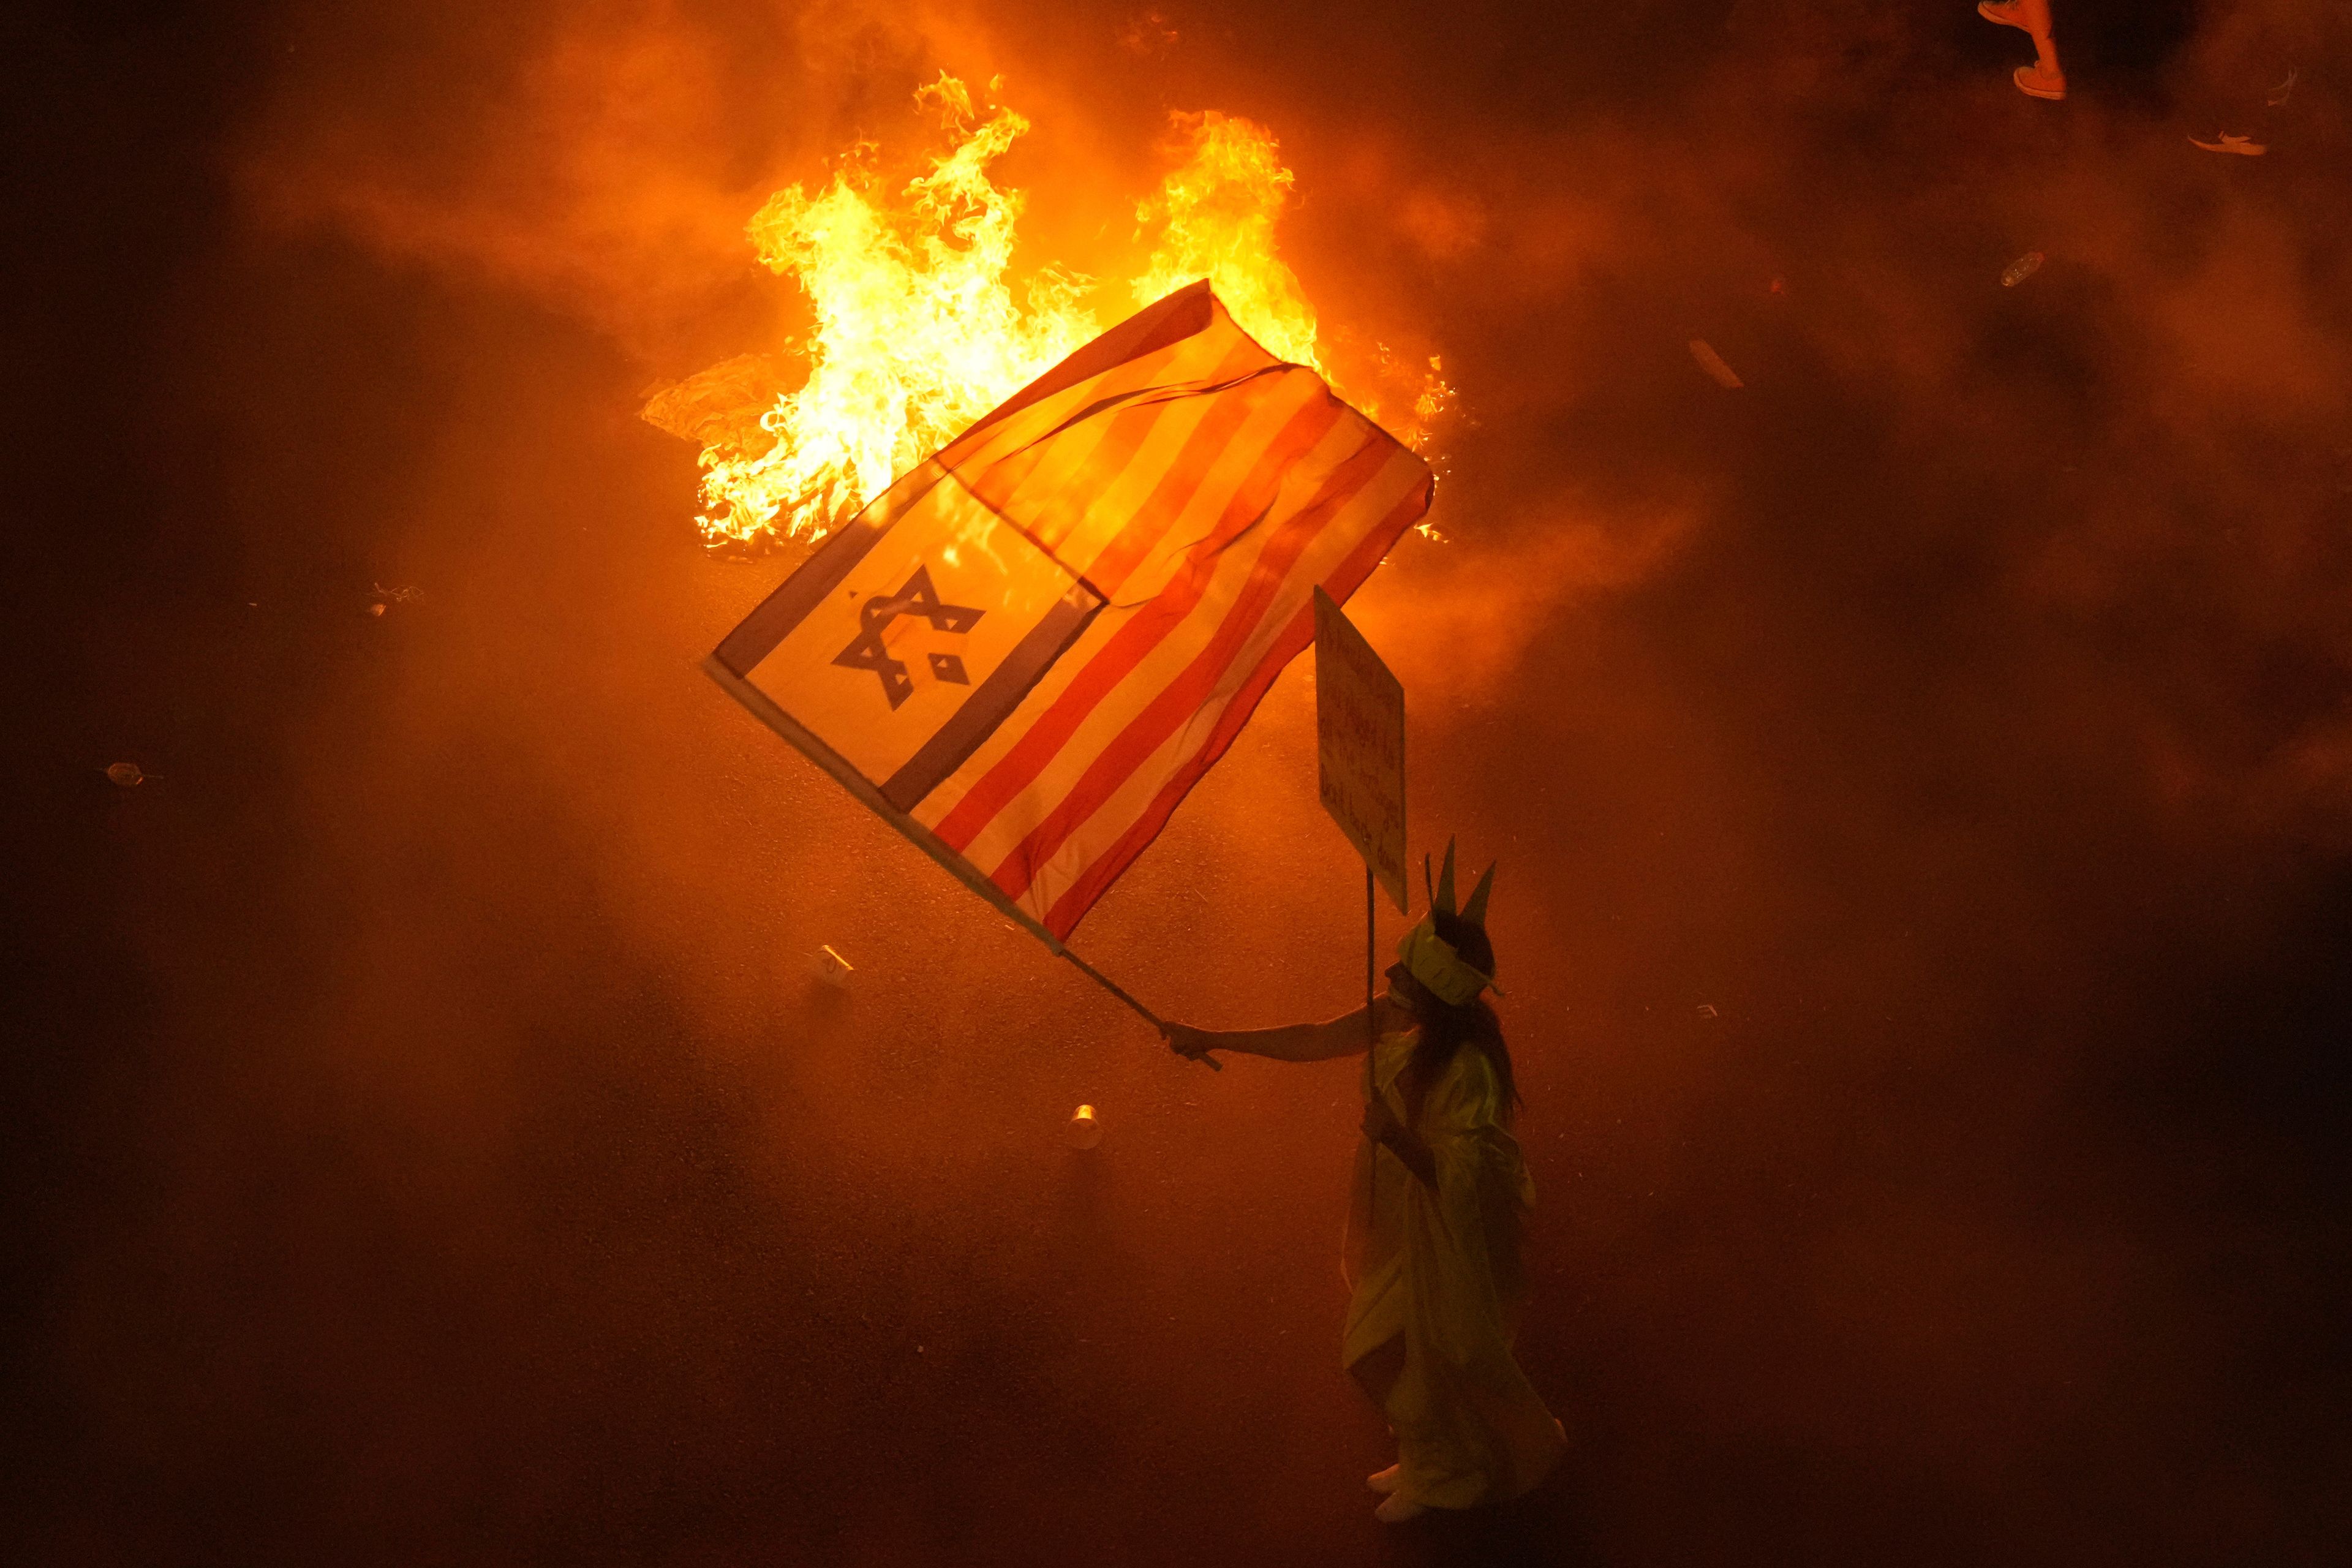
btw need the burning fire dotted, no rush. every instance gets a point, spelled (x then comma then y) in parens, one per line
(1216, 215)
(917, 333)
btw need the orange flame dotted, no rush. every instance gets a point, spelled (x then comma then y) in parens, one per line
(917, 333)
(1217, 213)
(916, 336)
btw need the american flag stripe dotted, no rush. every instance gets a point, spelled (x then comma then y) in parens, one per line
(1043, 493)
(1054, 500)
(1108, 657)
(1166, 702)
(1063, 411)
(1130, 346)
(1251, 437)
(1055, 712)
(1094, 868)
(1085, 818)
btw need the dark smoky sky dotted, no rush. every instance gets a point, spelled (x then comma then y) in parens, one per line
(1922, 779)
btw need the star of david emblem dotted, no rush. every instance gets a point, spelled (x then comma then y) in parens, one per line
(909, 638)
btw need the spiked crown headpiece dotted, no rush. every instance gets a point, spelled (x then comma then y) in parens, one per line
(1430, 958)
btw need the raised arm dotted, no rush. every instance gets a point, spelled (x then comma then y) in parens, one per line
(1341, 1037)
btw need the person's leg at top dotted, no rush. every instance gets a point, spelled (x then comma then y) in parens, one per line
(2042, 78)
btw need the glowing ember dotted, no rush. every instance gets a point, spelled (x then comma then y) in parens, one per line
(917, 333)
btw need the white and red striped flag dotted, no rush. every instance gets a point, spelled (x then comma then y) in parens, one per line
(1027, 649)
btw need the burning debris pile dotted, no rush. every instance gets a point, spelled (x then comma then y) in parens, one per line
(919, 333)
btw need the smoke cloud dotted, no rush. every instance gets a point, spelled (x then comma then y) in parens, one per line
(1922, 779)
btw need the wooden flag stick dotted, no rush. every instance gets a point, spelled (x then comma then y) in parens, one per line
(1108, 983)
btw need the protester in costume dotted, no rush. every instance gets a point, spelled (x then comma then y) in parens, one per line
(1441, 1194)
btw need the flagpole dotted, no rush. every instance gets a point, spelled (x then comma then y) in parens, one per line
(1108, 983)
(763, 709)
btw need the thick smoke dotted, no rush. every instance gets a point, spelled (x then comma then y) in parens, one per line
(1922, 778)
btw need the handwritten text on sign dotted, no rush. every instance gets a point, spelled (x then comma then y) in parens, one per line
(1359, 723)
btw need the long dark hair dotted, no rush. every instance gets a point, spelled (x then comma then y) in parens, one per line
(1444, 1028)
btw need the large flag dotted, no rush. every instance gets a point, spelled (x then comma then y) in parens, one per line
(1027, 649)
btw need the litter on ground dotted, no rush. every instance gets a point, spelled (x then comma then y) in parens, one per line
(831, 968)
(1712, 363)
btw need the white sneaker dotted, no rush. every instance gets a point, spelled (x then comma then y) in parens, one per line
(2035, 82)
(1397, 1509)
(1385, 1482)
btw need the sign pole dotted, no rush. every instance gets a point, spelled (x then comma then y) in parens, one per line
(1360, 733)
(1372, 948)
(1371, 1022)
